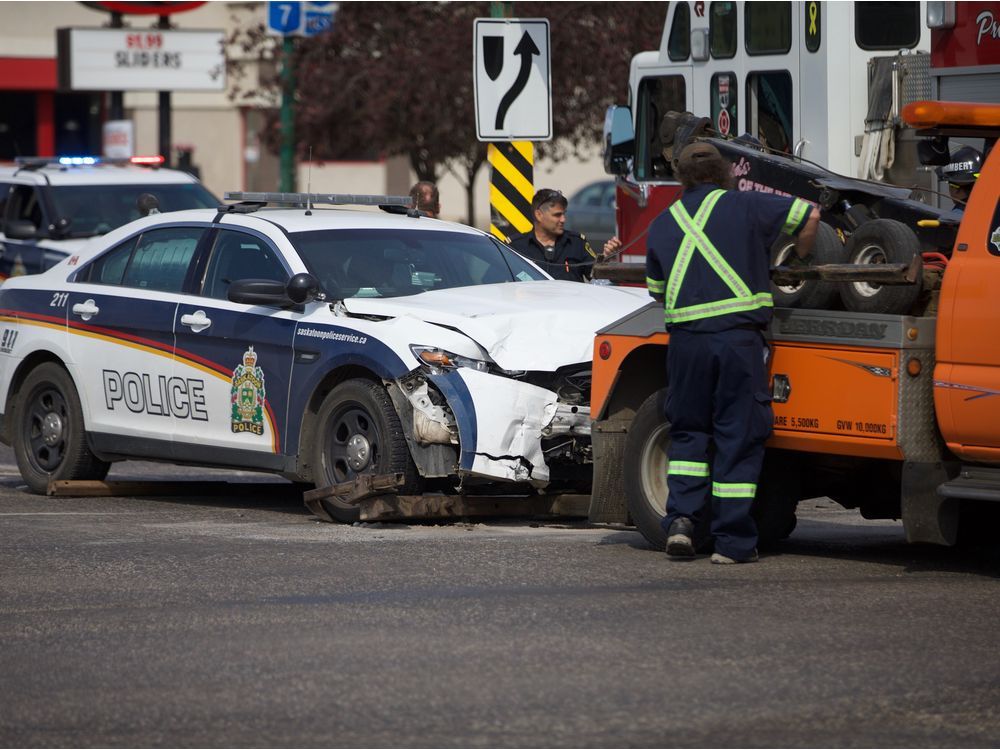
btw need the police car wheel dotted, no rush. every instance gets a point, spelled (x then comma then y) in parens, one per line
(875, 242)
(812, 294)
(49, 439)
(358, 432)
(647, 449)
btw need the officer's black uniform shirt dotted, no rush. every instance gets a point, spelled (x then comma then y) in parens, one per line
(742, 226)
(570, 258)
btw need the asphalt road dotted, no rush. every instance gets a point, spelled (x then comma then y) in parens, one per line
(243, 621)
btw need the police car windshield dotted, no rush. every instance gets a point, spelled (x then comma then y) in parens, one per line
(399, 262)
(97, 209)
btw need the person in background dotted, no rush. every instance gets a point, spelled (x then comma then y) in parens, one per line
(561, 253)
(961, 174)
(708, 263)
(426, 198)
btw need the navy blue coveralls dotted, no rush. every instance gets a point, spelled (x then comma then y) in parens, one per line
(708, 258)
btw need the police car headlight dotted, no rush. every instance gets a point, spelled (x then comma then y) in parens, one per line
(438, 360)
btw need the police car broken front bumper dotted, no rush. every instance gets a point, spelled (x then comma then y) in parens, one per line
(499, 424)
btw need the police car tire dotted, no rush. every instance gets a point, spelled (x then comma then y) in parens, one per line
(812, 294)
(48, 391)
(363, 402)
(644, 467)
(881, 241)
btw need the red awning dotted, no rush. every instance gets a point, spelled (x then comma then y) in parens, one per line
(27, 74)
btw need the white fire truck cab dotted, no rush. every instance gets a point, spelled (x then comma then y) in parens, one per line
(796, 76)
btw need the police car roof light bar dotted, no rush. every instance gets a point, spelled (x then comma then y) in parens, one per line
(301, 200)
(37, 162)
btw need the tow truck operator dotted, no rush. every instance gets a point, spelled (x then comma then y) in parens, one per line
(708, 262)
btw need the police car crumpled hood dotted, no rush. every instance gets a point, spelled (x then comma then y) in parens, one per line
(529, 325)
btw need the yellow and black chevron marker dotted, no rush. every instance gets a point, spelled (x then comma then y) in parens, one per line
(511, 187)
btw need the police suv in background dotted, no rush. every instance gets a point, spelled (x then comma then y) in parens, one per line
(50, 206)
(321, 344)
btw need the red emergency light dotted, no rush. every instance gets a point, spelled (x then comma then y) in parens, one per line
(148, 161)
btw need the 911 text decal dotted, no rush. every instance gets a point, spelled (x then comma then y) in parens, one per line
(164, 397)
(7, 340)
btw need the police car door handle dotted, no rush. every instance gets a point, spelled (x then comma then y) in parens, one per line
(86, 310)
(196, 322)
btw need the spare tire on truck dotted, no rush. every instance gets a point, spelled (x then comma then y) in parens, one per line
(813, 294)
(874, 242)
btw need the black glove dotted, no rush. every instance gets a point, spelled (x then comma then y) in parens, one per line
(797, 261)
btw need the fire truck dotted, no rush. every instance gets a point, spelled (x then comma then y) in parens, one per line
(820, 83)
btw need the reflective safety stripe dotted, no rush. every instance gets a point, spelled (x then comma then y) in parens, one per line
(689, 244)
(694, 229)
(722, 307)
(655, 286)
(795, 215)
(688, 468)
(743, 300)
(734, 490)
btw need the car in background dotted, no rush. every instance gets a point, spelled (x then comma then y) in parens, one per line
(320, 344)
(591, 212)
(49, 207)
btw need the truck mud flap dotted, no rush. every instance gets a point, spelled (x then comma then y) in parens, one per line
(927, 515)
(607, 500)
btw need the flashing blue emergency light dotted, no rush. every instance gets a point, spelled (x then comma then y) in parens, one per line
(78, 161)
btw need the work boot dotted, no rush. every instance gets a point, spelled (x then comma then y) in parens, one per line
(680, 542)
(720, 559)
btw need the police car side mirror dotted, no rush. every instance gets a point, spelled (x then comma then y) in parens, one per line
(302, 287)
(258, 292)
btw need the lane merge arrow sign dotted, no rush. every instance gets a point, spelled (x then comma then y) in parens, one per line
(511, 70)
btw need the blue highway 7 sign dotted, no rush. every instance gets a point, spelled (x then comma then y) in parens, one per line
(284, 17)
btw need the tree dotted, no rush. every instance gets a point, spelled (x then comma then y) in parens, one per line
(396, 78)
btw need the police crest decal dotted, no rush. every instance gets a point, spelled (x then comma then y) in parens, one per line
(248, 395)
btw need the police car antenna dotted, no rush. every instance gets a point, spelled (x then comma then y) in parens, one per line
(309, 171)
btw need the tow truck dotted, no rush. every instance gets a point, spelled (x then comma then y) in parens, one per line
(897, 415)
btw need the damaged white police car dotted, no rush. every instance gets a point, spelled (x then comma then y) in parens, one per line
(320, 344)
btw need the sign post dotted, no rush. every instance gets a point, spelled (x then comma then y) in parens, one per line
(511, 71)
(289, 19)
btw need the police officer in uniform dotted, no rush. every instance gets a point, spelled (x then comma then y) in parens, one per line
(560, 253)
(708, 262)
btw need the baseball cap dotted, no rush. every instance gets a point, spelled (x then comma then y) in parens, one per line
(698, 152)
